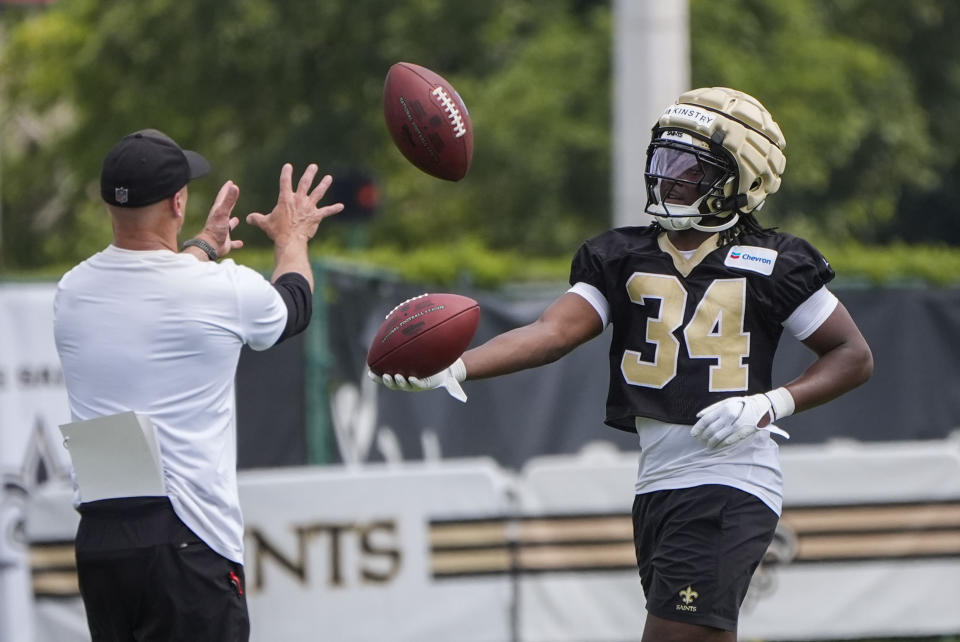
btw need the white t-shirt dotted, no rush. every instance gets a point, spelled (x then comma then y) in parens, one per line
(160, 333)
(671, 458)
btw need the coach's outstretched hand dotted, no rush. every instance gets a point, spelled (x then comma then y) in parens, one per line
(297, 213)
(448, 379)
(216, 231)
(294, 220)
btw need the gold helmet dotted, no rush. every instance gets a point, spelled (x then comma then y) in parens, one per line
(715, 152)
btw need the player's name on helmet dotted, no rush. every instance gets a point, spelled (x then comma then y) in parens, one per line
(701, 116)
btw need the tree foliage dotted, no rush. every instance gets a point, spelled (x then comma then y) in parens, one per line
(857, 133)
(253, 83)
(864, 90)
(921, 36)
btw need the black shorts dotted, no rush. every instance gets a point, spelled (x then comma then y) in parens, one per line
(144, 576)
(697, 549)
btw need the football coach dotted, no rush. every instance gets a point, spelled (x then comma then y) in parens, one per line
(154, 328)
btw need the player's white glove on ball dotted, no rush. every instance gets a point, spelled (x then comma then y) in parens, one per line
(448, 379)
(730, 420)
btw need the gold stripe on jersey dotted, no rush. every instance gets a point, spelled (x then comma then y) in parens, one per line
(683, 264)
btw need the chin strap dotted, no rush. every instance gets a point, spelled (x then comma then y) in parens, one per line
(685, 221)
(730, 204)
(726, 225)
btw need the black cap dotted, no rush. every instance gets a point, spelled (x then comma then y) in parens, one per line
(145, 167)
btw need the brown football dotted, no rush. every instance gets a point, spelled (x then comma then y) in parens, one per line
(424, 335)
(428, 121)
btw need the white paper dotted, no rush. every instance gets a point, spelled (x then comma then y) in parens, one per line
(115, 456)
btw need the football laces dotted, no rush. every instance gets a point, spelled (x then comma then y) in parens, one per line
(397, 307)
(453, 113)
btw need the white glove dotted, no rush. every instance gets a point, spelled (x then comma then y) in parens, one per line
(449, 379)
(730, 420)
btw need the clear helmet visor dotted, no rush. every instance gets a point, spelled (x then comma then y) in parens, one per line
(681, 177)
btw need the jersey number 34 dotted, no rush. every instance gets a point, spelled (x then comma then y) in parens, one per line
(714, 332)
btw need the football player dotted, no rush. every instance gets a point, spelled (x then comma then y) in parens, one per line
(698, 302)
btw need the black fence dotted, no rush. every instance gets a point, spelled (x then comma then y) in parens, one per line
(306, 401)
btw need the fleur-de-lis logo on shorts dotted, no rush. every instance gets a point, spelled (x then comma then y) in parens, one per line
(688, 595)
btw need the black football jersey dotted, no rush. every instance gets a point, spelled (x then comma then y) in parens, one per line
(690, 332)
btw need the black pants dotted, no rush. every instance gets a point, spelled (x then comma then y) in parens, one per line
(145, 577)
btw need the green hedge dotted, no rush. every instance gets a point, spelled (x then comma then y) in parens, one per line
(467, 263)
(937, 265)
(470, 264)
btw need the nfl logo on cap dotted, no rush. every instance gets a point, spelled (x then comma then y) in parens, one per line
(146, 167)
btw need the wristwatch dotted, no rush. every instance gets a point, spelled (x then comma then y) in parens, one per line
(203, 245)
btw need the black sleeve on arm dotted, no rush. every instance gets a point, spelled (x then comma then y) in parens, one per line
(295, 292)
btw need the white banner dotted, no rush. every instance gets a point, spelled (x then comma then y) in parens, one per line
(868, 546)
(32, 405)
(869, 543)
(345, 555)
(331, 553)
(872, 543)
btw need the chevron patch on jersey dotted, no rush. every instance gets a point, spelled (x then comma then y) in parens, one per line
(750, 257)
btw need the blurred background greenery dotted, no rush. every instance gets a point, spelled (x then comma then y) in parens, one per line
(866, 92)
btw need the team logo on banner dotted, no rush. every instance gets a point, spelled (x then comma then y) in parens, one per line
(13, 498)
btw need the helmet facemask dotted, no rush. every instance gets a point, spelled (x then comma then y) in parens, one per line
(688, 179)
